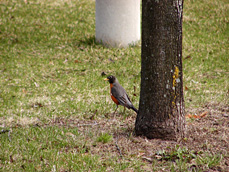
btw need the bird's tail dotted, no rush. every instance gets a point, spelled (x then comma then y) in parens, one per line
(134, 109)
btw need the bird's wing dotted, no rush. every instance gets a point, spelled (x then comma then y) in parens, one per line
(120, 94)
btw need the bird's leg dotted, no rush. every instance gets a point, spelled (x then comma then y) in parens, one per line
(124, 109)
(115, 110)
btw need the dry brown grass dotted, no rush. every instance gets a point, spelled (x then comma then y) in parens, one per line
(208, 135)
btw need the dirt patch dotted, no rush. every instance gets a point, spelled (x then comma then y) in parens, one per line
(208, 134)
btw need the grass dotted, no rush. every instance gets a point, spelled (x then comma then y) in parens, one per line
(104, 138)
(205, 52)
(55, 104)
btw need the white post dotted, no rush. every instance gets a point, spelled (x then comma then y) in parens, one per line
(117, 22)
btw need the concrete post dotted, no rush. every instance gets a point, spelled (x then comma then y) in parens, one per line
(117, 22)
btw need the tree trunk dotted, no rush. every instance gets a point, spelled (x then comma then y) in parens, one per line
(161, 107)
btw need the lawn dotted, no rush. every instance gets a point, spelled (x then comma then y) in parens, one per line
(55, 108)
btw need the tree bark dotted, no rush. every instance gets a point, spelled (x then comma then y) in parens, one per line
(161, 107)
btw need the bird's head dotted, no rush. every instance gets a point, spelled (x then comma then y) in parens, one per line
(111, 79)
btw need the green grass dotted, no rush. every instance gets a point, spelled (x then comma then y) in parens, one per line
(188, 160)
(51, 88)
(205, 40)
(104, 138)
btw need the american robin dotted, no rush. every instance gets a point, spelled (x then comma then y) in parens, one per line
(118, 94)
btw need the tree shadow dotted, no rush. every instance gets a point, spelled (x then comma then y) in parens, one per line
(88, 41)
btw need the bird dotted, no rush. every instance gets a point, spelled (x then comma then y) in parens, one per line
(118, 94)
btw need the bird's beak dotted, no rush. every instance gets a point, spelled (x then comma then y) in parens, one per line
(106, 79)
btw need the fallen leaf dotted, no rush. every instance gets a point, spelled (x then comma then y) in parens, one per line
(77, 61)
(203, 114)
(188, 116)
(191, 116)
(186, 88)
(187, 57)
(196, 116)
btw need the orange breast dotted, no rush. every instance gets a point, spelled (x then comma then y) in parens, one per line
(112, 97)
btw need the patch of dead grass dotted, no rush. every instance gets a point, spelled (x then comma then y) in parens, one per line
(18, 121)
(208, 134)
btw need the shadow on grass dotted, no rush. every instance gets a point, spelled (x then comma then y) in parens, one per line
(88, 41)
